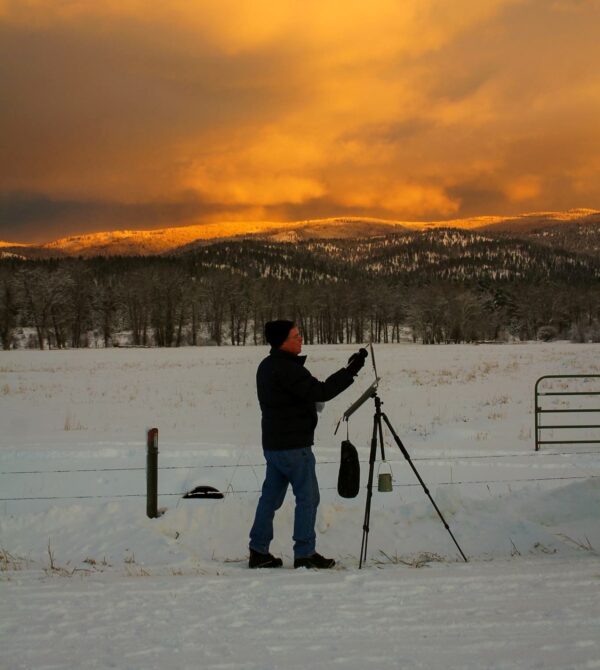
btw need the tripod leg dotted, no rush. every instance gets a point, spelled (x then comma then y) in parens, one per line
(379, 414)
(407, 457)
(365, 536)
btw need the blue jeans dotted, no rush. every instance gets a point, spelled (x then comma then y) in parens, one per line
(295, 467)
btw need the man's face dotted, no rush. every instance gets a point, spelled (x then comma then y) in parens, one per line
(293, 343)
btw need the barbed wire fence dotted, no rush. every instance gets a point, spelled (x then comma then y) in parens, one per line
(231, 490)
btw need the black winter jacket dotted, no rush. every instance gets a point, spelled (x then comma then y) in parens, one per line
(287, 393)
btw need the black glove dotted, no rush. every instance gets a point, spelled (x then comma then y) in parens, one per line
(356, 361)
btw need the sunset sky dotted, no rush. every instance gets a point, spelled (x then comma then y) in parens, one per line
(144, 114)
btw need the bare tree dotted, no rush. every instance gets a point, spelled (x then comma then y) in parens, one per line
(106, 302)
(239, 303)
(136, 295)
(168, 306)
(41, 297)
(78, 293)
(9, 310)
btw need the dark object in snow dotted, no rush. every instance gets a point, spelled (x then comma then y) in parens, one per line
(204, 493)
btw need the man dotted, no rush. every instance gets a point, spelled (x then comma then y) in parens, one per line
(288, 394)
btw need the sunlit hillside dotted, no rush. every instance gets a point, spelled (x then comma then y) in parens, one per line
(144, 242)
(164, 240)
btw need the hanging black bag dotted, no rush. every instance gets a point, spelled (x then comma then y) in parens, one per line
(349, 474)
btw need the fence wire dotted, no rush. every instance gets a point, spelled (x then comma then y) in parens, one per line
(322, 488)
(260, 465)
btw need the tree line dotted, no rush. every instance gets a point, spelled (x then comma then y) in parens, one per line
(185, 300)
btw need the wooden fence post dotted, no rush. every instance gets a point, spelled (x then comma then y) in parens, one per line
(152, 474)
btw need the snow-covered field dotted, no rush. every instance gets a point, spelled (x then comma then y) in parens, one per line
(87, 581)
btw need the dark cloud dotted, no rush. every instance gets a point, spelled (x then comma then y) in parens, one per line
(478, 198)
(78, 105)
(38, 218)
(389, 133)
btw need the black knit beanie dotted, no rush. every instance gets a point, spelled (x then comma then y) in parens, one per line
(276, 332)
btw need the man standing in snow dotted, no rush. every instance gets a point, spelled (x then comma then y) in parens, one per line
(288, 394)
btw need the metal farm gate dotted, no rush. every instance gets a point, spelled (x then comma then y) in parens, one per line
(572, 397)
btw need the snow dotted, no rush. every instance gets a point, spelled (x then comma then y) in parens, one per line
(88, 581)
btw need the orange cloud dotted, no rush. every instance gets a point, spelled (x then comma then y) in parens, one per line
(524, 188)
(420, 108)
(408, 200)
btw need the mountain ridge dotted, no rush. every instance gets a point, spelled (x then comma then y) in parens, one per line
(182, 238)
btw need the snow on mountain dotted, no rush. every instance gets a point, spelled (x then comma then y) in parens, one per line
(149, 242)
(145, 242)
(155, 241)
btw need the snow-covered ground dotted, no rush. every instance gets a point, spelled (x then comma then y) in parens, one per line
(88, 581)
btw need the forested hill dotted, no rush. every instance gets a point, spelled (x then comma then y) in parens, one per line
(418, 257)
(567, 235)
(439, 285)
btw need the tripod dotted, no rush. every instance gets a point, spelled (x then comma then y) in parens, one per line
(378, 433)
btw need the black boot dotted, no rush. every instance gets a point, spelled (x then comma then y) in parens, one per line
(314, 561)
(258, 560)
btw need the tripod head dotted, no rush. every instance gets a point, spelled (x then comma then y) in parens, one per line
(369, 393)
